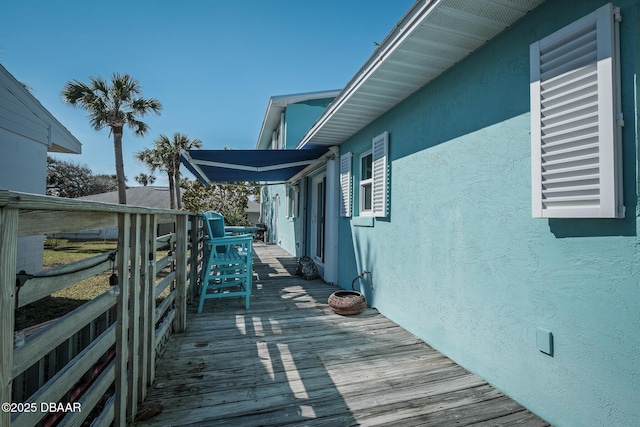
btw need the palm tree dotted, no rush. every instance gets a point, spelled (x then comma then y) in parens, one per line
(165, 155)
(113, 104)
(145, 179)
(157, 158)
(178, 144)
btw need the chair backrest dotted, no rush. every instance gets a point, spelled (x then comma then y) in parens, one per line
(214, 223)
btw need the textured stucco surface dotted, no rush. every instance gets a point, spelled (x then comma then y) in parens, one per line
(298, 119)
(460, 262)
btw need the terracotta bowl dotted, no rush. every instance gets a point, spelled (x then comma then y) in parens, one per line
(347, 303)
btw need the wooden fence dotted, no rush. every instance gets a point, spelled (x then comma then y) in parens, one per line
(96, 362)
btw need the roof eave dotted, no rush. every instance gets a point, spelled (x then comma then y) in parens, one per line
(277, 105)
(60, 139)
(422, 12)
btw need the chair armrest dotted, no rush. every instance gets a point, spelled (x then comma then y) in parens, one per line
(240, 229)
(230, 240)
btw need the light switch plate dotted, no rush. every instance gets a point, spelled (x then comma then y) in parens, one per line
(544, 341)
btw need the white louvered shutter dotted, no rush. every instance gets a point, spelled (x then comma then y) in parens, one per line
(287, 194)
(294, 202)
(345, 184)
(380, 174)
(575, 151)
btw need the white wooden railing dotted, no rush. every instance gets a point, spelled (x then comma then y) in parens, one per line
(99, 359)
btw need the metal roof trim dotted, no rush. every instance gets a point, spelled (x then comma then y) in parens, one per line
(276, 106)
(478, 22)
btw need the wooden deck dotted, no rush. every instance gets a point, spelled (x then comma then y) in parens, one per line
(290, 361)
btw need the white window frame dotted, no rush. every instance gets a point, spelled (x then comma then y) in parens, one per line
(292, 197)
(379, 180)
(362, 183)
(576, 120)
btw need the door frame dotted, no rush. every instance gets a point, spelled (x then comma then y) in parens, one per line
(318, 227)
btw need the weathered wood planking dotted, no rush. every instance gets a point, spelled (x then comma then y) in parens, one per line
(50, 222)
(146, 326)
(67, 377)
(122, 334)
(134, 335)
(8, 254)
(133, 343)
(62, 329)
(290, 360)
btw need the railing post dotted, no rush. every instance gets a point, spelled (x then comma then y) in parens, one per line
(193, 258)
(146, 331)
(122, 352)
(8, 254)
(134, 313)
(180, 324)
(151, 308)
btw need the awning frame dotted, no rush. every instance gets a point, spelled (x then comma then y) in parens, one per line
(309, 165)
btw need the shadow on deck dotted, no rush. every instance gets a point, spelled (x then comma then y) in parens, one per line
(290, 360)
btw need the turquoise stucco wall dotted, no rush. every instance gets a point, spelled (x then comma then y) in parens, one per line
(287, 232)
(298, 119)
(300, 116)
(461, 263)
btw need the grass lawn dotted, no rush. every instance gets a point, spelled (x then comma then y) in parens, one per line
(59, 252)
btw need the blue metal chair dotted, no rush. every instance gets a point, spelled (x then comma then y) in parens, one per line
(227, 262)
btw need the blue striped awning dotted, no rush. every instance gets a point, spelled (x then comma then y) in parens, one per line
(267, 166)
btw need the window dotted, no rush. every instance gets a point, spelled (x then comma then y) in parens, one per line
(576, 120)
(366, 183)
(277, 136)
(292, 193)
(371, 179)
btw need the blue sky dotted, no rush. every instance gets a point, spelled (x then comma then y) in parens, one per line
(212, 63)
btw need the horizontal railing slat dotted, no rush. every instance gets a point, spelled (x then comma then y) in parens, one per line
(33, 223)
(107, 415)
(26, 202)
(162, 284)
(47, 366)
(47, 282)
(91, 397)
(163, 262)
(160, 310)
(50, 337)
(166, 324)
(61, 383)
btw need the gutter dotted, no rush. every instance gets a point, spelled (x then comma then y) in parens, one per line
(408, 23)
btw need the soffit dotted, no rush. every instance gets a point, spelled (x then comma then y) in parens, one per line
(430, 38)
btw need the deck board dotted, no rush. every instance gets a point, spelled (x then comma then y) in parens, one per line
(289, 361)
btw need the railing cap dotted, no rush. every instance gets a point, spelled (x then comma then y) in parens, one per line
(19, 200)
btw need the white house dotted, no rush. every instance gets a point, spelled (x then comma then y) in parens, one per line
(27, 133)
